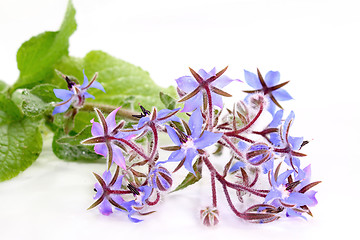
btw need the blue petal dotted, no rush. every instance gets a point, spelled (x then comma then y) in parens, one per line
(97, 85)
(273, 194)
(63, 94)
(206, 75)
(272, 78)
(173, 135)
(176, 156)
(292, 213)
(88, 95)
(282, 177)
(107, 177)
(195, 123)
(268, 166)
(191, 153)
(237, 166)
(287, 124)
(276, 119)
(143, 121)
(217, 100)
(193, 103)
(187, 83)
(207, 139)
(243, 146)
(86, 81)
(271, 107)
(105, 207)
(281, 95)
(295, 142)
(61, 108)
(164, 112)
(222, 81)
(299, 199)
(252, 79)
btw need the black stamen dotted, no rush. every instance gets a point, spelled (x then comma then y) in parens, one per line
(133, 189)
(69, 82)
(95, 190)
(143, 114)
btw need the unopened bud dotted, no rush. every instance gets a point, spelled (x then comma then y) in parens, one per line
(259, 153)
(209, 216)
(160, 178)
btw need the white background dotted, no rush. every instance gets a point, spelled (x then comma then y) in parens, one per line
(315, 44)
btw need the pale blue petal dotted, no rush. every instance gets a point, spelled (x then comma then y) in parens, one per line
(243, 146)
(96, 129)
(222, 81)
(105, 207)
(271, 107)
(268, 166)
(63, 94)
(206, 75)
(193, 103)
(281, 95)
(272, 78)
(173, 135)
(252, 80)
(299, 199)
(276, 119)
(99, 191)
(110, 119)
(207, 139)
(237, 166)
(97, 85)
(287, 124)
(61, 108)
(282, 177)
(295, 142)
(86, 81)
(273, 194)
(101, 149)
(107, 177)
(176, 156)
(292, 213)
(142, 121)
(195, 123)
(88, 95)
(118, 157)
(190, 155)
(187, 83)
(217, 100)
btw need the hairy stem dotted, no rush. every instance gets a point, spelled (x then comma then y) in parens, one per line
(125, 113)
(213, 189)
(210, 109)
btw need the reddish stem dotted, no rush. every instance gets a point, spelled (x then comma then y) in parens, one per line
(213, 189)
(232, 146)
(210, 109)
(134, 147)
(235, 132)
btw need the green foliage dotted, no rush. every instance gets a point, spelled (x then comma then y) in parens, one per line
(190, 178)
(20, 142)
(37, 56)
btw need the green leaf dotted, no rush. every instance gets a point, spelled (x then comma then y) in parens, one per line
(38, 100)
(125, 84)
(70, 149)
(20, 142)
(191, 178)
(168, 101)
(37, 56)
(3, 86)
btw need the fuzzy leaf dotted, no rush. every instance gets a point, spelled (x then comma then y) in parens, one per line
(190, 178)
(20, 142)
(168, 101)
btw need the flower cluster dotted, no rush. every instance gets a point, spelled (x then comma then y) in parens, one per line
(141, 179)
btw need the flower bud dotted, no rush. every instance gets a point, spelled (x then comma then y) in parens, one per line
(160, 178)
(209, 216)
(259, 153)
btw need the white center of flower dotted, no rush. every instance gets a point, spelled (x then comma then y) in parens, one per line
(189, 144)
(284, 193)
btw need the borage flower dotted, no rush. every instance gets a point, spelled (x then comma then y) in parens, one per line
(141, 194)
(105, 138)
(202, 84)
(107, 190)
(291, 194)
(76, 94)
(287, 145)
(188, 145)
(154, 119)
(268, 87)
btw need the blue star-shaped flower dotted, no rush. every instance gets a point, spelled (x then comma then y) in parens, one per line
(188, 145)
(269, 87)
(76, 94)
